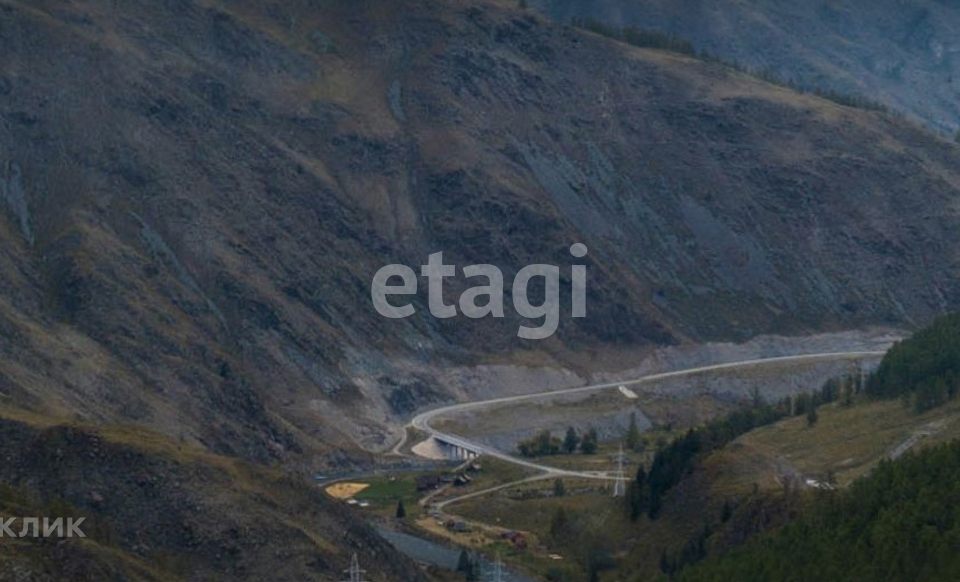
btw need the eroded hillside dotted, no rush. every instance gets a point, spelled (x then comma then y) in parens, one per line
(900, 53)
(199, 192)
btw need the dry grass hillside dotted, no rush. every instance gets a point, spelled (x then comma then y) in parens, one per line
(156, 509)
(900, 53)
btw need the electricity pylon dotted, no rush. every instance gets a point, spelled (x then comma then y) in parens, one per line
(619, 489)
(355, 574)
(497, 572)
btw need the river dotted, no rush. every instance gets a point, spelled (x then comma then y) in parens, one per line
(429, 552)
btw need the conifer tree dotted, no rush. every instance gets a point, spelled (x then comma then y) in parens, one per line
(588, 444)
(571, 441)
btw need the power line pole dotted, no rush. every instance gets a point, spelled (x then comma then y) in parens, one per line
(497, 570)
(619, 489)
(354, 573)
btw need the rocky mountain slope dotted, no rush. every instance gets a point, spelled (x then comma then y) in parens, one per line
(901, 53)
(197, 195)
(160, 510)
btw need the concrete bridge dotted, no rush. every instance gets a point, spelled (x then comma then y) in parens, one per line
(456, 449)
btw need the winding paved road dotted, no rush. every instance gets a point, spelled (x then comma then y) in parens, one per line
(421, 422)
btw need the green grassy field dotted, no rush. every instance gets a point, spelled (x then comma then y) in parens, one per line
(846, 442)
(605, 459)
(531, 508)
(385, 492)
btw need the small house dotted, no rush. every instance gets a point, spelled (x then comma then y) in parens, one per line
(516, 538)
(427, 482)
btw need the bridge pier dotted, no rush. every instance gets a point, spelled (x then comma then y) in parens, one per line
(455, 452)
